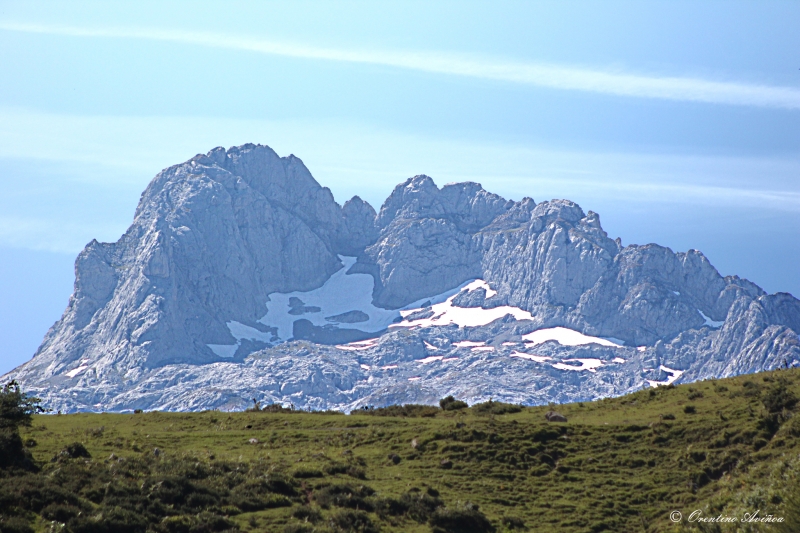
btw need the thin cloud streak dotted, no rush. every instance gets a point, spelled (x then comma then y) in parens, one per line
(535, 74)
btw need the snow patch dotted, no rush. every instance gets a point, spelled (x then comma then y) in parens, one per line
(446, 359)
(641, 348)
(709, 322)
(430, 359)
(430, 346)
(618, 360)
(445, 313)
(415, 378)
(482, 349)
(531, 357)
(342, 292)
(365, 367)
(565, 337)
(74, 372)
(241, 331)
(467, 344)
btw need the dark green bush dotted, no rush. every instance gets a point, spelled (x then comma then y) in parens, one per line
(690, 409)
(495, 408)
(14, 524)
(465, 519)
(109, 520)
(343, 495)
(513, 522)
(307, 514)
(60, 513)
(75, 450)
(298, 528)
(305, 473)
(451, 404)
(779, 398)
(350, 521)
(408, 411)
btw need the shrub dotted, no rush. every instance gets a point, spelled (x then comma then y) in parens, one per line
(495, 408)
(408, 411)
(343, 495)
(779, 398)
(14, 524)
(464, 519)
(451, 404)
(690, 409)
(306, 473)
(307, 514)
(298, 528)
(60, 513)
(349, 521)
(512, 522)
(750, 388)
(75, 450)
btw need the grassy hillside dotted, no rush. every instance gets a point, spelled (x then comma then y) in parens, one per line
(724, 447)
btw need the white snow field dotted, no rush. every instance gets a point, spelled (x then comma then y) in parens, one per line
(565, 337)
(342, 292)
(74, 372)
(530, 357)
(445, 313)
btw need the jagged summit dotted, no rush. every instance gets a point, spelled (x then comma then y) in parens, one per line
(240, 266)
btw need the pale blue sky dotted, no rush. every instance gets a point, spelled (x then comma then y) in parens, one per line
(679, 122)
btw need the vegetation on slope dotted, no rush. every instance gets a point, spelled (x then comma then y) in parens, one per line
(724, 448)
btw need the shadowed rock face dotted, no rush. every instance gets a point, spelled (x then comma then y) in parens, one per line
(212, 238)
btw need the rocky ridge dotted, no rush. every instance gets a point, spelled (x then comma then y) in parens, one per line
(242, 278)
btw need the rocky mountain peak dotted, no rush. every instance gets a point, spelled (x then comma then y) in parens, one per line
(239, 263)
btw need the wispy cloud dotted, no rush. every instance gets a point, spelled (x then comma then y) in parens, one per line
(527, 73)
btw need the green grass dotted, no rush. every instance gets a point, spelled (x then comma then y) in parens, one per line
(619, 465)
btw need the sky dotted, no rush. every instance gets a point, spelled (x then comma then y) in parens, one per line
(678, 122)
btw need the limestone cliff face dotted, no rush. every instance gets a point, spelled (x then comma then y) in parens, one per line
(212, 238)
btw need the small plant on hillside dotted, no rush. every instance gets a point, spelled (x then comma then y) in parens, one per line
(465, 518)
(779, 398)
(495, 408)
(407, 410)
(451, 404)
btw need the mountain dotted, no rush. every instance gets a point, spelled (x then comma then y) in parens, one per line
(241, 278)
